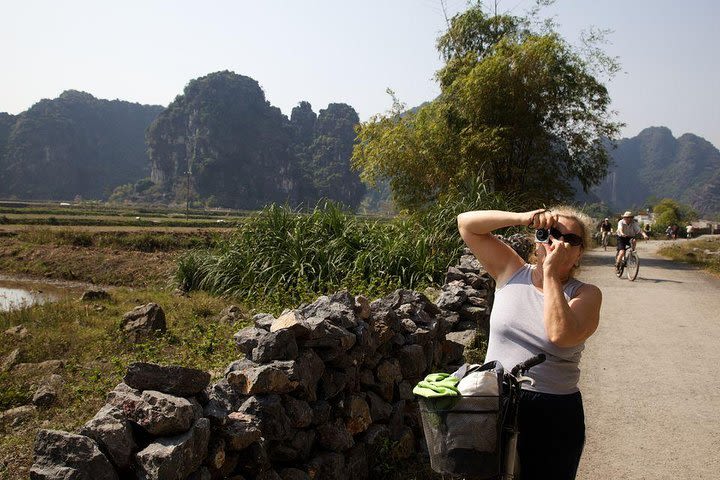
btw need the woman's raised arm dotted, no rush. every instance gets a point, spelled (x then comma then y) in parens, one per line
(497, 258)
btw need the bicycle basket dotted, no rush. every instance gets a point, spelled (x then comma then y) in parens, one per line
(463, 433)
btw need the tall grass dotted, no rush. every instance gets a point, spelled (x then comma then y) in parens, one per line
(286, 255)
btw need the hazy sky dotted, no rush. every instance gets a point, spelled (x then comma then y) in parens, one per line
(340, 51)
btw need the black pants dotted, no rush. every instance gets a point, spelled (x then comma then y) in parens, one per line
(552, 435)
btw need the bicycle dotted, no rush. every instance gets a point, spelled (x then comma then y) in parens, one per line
(605, 237)
(497, 459)
(630, 264)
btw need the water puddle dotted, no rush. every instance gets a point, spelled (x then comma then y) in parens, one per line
(17, 293)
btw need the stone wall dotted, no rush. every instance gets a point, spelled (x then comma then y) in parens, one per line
(323, 392)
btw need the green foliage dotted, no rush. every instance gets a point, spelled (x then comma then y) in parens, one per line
(11, 394)
(669, 212)
(126, 241)
(96, 357)
(519, 106)
(282, 256)
(703, 252)
(142, 185)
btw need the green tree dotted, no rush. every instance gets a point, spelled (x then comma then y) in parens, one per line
(522, 108)
(668, 212)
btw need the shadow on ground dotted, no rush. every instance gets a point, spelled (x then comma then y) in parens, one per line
(606, 259)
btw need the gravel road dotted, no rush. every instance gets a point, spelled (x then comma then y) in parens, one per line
(651, 373)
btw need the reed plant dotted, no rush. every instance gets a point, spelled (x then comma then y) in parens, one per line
(282, 255)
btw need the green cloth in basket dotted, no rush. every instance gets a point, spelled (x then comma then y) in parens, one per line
(437, 385)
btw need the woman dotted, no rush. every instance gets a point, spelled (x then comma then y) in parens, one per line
(538, 308)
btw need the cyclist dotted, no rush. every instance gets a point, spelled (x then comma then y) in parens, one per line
(541, 308)
(627, 229)
(605, 232)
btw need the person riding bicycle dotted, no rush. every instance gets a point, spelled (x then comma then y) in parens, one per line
(627, 229)
(540, 308)
(605, 231)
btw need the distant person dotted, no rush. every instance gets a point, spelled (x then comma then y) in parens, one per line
(627, 229)
(605, 232)
(675, 229)
(648, 230)
(669, 232)
(689, 230)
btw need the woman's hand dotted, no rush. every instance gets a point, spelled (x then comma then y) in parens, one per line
(559, 256)
(541, 218)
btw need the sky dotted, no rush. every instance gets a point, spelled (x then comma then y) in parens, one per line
(326, 51)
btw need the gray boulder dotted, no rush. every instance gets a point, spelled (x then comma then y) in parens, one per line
(324, 334)
(247, 339)
(12, 359)
(157, 413)
(174, 380)
(174, 458)
(144, 321)
(335, 436)
(270, 378)
(47, 393)
(293, 474)
(357, 414)
(452, 297)
(328, 465)
(231, 314)
(17, 416)
(278, 345)
(241, 430)
(339, 308)
(113, 433)
(412, 361)
(263, 321)
(222, 399)
(61, 455)
(18, 331)
(94, 294)
(270, 413)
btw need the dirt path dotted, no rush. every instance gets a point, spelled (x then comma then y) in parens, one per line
(651, 373)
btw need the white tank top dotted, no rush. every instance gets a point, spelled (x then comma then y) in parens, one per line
(517, 332)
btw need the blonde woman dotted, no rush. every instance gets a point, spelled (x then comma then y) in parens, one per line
(541, 308)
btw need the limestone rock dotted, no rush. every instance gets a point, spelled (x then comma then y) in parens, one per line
(47, 393)
(241, 430)
(94, 294)
(113, 433)
(270, 378)
(171, 379)
(18, 331)
(62, 455)
(143, 322)
(10, 360)
(157, 413)
(231, 314)
(174, 458)
(335, 436)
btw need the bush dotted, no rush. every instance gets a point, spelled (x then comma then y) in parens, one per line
(284, 256)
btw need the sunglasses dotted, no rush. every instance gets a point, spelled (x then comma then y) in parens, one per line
(543, 235)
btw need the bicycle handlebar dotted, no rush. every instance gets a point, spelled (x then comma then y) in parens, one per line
(528, 364)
